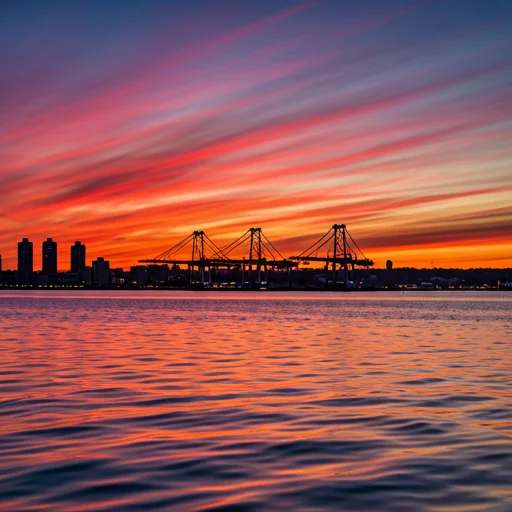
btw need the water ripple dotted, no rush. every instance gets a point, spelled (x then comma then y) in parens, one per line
(133, 402)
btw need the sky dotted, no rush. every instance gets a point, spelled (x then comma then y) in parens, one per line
(129, 124)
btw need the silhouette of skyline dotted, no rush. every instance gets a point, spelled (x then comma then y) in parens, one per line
(336, 252)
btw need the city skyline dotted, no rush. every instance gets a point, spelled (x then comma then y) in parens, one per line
(77, 259)
(134, 126)
(260, 268)
(48, 257)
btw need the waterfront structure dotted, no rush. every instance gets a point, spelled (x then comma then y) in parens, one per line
(139, 274)
(77, 256)
(49, 257)
(207, 258)
(85, 275)
(215, 267)
(25, 256)
(101, 272)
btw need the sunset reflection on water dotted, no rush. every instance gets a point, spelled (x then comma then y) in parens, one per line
(126, 401)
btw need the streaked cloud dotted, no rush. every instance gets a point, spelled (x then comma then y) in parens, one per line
(394, 118)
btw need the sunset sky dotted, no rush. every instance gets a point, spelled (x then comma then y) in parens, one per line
(127, 125)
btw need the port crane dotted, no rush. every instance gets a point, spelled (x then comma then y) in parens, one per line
(262, 255)
(207, 257)
(346, 254)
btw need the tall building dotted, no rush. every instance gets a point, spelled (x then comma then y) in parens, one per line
(0, 263)
(25, 256)
(389, 265)
(77, 257)
(101, 272)
(49, 257)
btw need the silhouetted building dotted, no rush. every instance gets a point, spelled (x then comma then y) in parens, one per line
(117, 276)
(158, 274)
(139, 274)
(68, 279)
(25, 256)
(101, 272)
(85, 275)
(389, 265)
(0, 263)
(49, 257)
(8, 278)
(77, 257)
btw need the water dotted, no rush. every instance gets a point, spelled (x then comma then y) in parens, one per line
(255, 401)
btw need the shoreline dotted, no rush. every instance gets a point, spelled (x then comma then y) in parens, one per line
(245, 290)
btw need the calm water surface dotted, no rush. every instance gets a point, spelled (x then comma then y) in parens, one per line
(255, 401)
